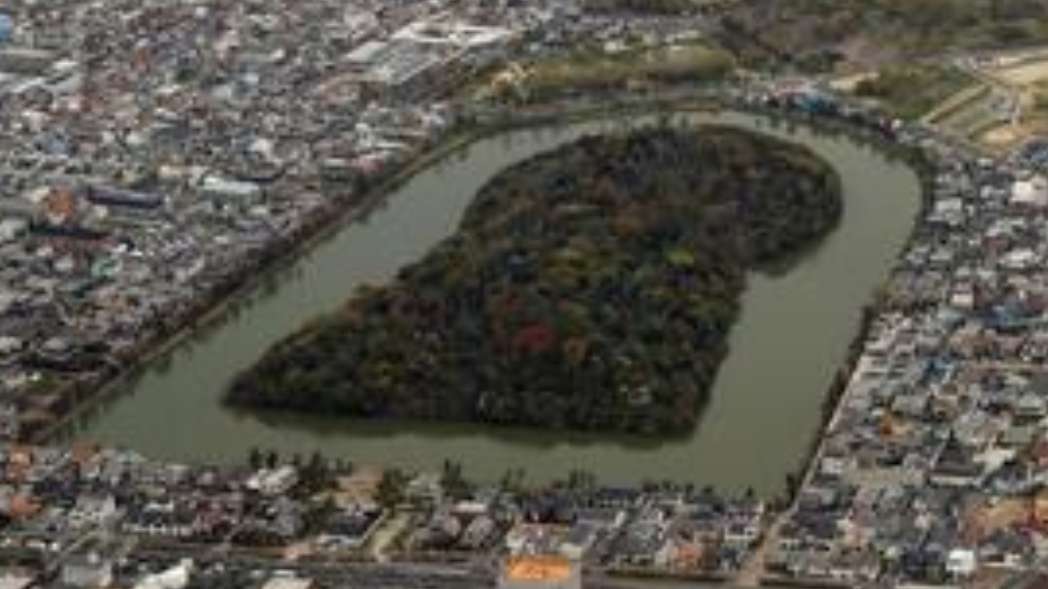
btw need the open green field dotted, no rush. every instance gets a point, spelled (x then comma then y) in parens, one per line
(664, 64)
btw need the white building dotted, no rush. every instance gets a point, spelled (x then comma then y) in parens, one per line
(16, 580)
(1019, 259)
(176, 577)
(1030, 193)
(273, 482)
(218, 187)
(961, 562)
(90, 571)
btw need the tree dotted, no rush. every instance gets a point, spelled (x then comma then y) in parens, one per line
(390, 491)
(343, 467)
(272, 459)
(792, 484)
(512, 480)
(453, 482)
(317, 464)
(316, 472)
(254, 458)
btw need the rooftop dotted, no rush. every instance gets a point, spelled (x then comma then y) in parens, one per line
(538, 568)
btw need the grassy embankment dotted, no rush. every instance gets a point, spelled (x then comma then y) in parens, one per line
(592, 70)
(912, 91)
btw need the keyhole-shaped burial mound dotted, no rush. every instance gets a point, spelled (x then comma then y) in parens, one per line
(590, 287)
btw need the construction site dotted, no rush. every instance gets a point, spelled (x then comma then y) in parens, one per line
(1005, 107)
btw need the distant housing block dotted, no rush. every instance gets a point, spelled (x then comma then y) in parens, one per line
(118, 197)
(22, 60)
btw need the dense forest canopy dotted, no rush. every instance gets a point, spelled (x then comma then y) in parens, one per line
(591, 287)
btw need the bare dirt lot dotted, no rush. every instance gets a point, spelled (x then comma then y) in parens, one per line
(1024, 74)
(983, 520)
(1029, 79)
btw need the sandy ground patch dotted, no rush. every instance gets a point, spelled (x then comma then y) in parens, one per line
(1028, 78)
(1005, 136)
(1024, 74)
(989, 578)
(1001, 137)
(360, 487)
(1009, 136)
(296, 551)
(385, 536)
(983, 520)
(849, 82)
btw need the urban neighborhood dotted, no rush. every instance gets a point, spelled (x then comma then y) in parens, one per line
(157, 156)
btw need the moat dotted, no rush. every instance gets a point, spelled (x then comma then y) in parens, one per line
(764, 404)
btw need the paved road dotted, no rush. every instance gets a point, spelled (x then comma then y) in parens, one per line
(753, 568)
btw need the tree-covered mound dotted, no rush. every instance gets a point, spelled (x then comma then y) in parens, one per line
(591, 287)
